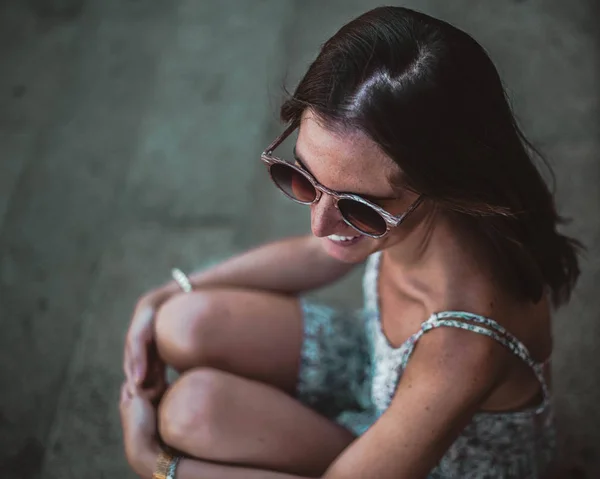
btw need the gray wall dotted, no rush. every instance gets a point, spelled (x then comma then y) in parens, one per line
(125, 126)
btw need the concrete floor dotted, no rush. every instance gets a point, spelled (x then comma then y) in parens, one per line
(126, 125)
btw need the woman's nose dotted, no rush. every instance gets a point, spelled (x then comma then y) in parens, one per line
(325, 218)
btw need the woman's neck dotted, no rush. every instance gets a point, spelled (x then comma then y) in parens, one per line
(440, 265)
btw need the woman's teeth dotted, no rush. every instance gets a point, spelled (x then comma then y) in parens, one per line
(342, 238)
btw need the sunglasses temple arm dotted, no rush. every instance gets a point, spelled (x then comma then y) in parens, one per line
(280, 139)
(413, 207)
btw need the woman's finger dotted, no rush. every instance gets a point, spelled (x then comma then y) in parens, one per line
(152, 395)
(125, 361)
(155, 383)
(155, 392)
(127, 364)
(129, 372)
(125, 395)
(140, 342)
(138, 360)
(131, 387)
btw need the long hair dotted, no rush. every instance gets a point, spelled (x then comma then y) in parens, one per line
(428, 94)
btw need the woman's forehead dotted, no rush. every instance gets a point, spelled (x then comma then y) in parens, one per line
(315, 135)
(350, 158)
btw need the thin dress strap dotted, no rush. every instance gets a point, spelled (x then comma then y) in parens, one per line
(487, 327)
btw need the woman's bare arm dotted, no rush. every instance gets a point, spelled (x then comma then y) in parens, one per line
(290, 266)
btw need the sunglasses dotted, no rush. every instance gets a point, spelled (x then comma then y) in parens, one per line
(297, 184)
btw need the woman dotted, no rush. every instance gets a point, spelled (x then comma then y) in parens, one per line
(410, 159)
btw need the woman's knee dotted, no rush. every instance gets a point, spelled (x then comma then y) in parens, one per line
(191, 413)
(185, 329)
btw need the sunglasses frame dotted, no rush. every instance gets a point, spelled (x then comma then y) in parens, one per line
(391, 220)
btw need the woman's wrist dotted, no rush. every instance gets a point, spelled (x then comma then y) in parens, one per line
(145, 464)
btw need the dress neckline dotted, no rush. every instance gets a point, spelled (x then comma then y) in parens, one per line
(376, 266)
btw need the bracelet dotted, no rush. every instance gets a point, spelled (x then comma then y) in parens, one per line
(182, 280)
(173, 467)
(166, 464)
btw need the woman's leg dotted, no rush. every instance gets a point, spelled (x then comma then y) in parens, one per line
(253, 334)
(217, 416)
(239, 354)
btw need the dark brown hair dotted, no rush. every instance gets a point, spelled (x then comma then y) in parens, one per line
(431, 98)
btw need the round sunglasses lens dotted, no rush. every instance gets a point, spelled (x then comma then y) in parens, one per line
(293, 183)
(362, 217)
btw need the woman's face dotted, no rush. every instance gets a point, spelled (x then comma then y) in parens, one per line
(350, 163)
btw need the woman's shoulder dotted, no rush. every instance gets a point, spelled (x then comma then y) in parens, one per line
(490, 308)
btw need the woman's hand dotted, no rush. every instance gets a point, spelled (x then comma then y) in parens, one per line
(138, 420)
(142, 365)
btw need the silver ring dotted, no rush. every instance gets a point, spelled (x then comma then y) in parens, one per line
(182, 280)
